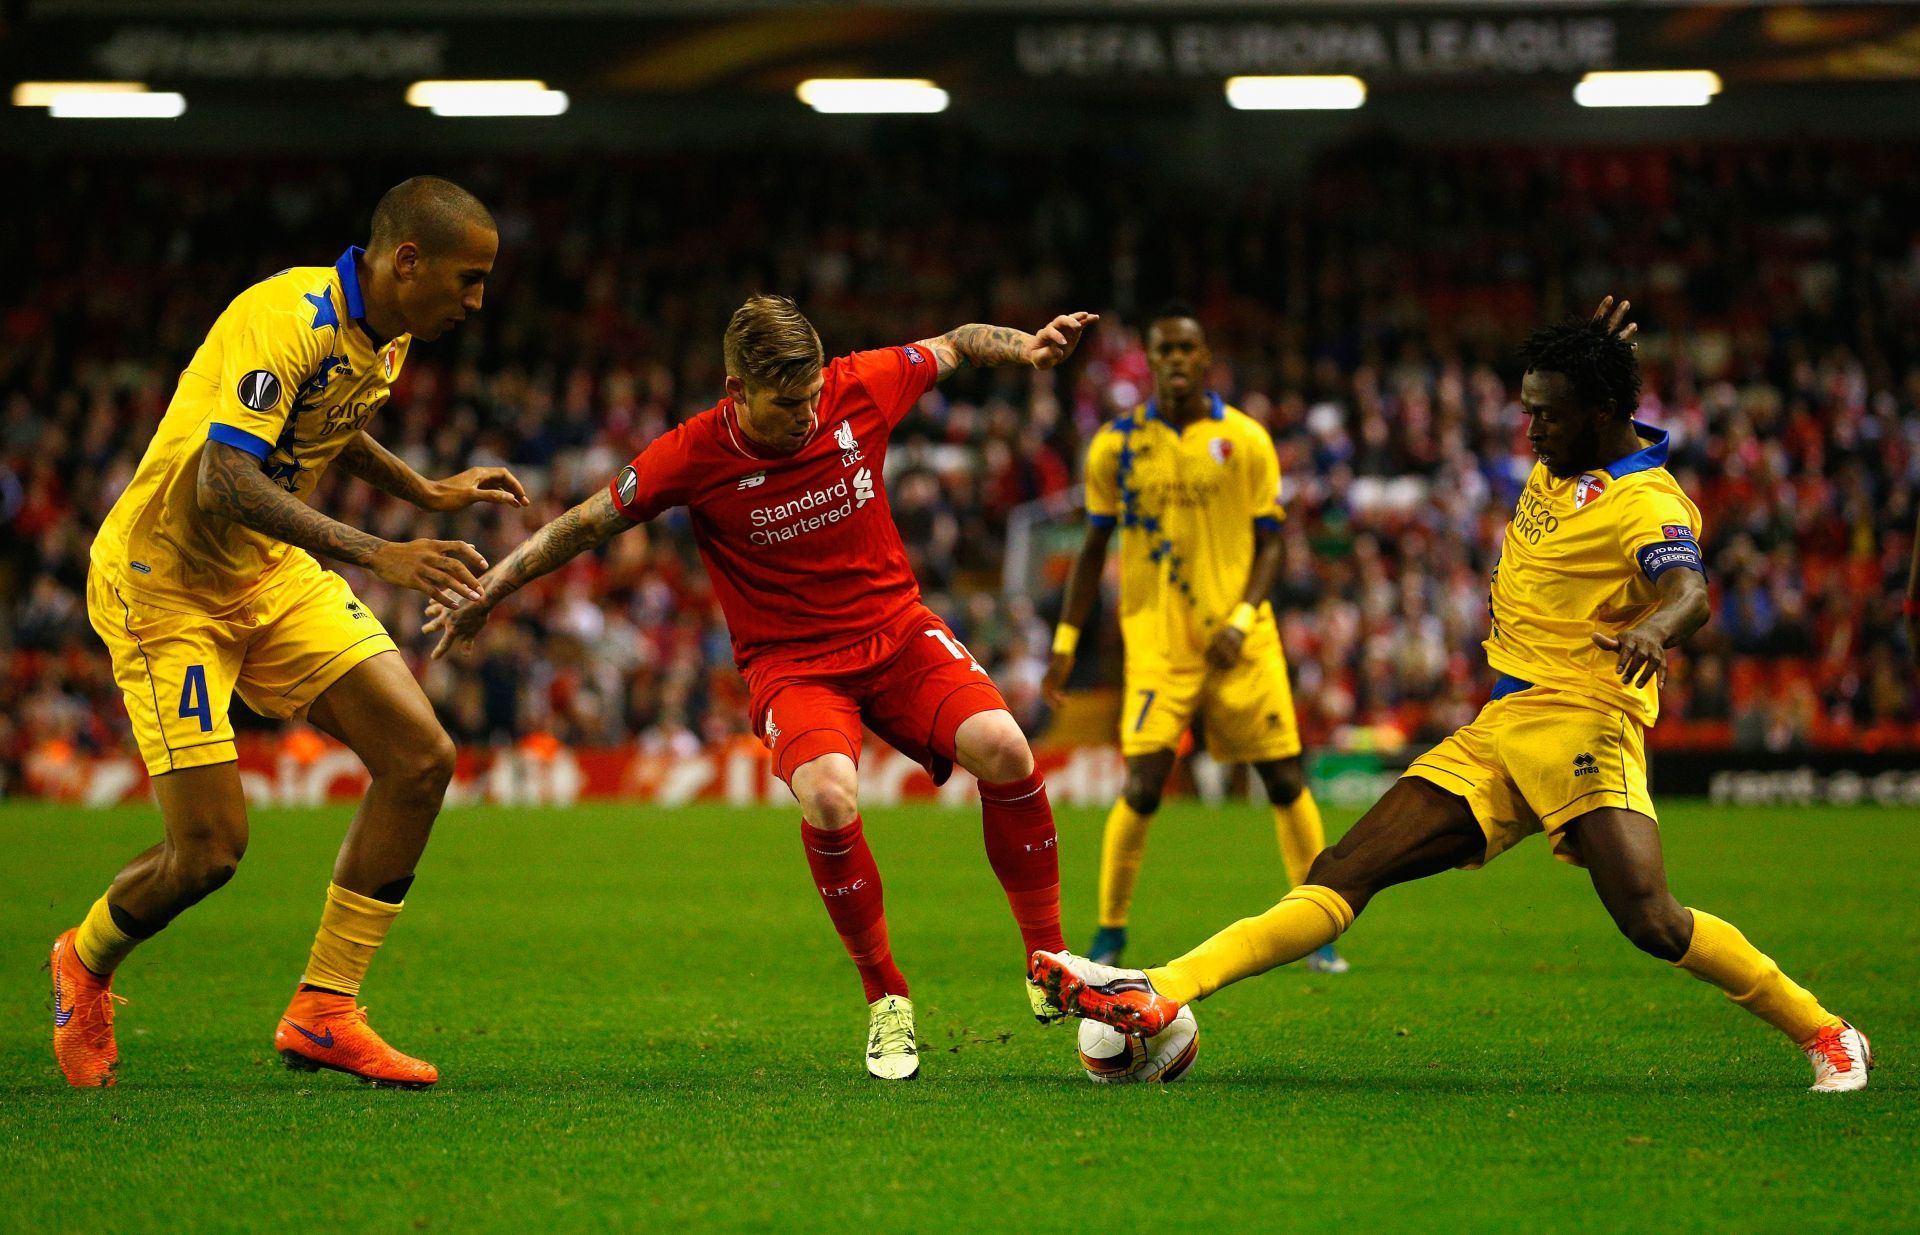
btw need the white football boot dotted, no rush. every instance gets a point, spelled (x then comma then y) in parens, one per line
(893, 1054)
(1841, 1057)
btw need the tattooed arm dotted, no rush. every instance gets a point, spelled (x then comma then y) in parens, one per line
(587, 526)
(232, 486)
(991, 346)
(389, 473)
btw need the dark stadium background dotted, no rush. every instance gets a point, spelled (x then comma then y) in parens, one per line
(1364, 275)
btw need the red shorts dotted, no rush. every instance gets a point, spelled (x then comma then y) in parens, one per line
(914, 696)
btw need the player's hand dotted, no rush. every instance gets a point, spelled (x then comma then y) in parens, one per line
(1053, 687)
(476, 484)
(458, 627)
(1223, 650)
(1642, 656)
(1615, 327)
(1055, 341)
(443, 569)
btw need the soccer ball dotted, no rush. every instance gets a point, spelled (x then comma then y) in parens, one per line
(1114, 1058)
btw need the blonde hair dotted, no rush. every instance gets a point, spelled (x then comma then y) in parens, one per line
(770, 343)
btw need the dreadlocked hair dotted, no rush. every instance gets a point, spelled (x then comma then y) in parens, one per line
(1601, 366)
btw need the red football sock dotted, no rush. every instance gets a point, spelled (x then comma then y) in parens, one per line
(849, 883)
(1018, 823)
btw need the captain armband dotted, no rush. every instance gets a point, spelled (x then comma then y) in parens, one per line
(1662, 556)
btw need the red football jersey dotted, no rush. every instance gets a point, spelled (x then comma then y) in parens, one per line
(802, 548)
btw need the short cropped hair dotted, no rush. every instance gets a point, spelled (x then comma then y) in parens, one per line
(770, 343)
(431, 212)
(1174, 309)
(1601, 366)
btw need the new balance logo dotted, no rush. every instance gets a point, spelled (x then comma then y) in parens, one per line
(752, 482)
(1585, 765)
(862, 487)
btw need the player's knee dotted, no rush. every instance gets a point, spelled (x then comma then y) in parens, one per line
(424, 766)
(829, 793)
(1005, 755)
(1657, 925)
(1142, 794)
(203, 857)
(1283, 780)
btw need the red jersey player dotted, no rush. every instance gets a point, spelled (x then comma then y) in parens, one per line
(782, 479)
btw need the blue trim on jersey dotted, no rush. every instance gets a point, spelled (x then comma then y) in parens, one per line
(349, 271)
(1102, 520)
(1653, 455)
(239, 439)
(1506, 684)
(1267, 523)
(1662, 556)
(1216, 409)
(323, 313)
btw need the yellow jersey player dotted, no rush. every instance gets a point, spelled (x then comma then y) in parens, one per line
(1193, 487)
(1600, 573)
(203, 581)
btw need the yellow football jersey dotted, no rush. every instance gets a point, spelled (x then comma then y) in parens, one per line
(289, 373)
(1581, 555)
(1186, 502)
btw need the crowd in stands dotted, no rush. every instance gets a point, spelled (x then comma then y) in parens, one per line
(1367, 314)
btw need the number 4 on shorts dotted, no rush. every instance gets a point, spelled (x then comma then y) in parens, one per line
(193, 698)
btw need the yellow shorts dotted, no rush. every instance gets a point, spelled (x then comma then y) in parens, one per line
(1248, 709)
(178, 671)
(1535, 761)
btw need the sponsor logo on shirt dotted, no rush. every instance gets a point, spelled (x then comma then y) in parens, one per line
(811, 511)
(754, 481)
(1591, 485)
(862, 487)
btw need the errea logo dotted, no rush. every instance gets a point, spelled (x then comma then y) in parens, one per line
(1585, 765)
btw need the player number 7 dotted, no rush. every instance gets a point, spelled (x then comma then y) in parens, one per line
(958, 649)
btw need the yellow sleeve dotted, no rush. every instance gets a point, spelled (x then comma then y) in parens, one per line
(1263, 479)
(270, 353)
(1659, 530)
(1103, 479)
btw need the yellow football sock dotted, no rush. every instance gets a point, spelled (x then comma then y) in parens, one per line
(351, 928)
(99, 943)
(1720, 954)
(1301, 835)
(1121, 849)
(1306, 918)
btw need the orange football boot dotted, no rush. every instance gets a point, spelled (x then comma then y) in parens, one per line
(82, 1018)
(325, 1030)
(1122, 998)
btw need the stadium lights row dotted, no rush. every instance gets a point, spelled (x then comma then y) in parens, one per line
(125, 100)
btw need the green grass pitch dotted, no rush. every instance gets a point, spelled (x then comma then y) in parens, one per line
(644, 1021)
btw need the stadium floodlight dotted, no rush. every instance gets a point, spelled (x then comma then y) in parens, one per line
(487, 98)
(43, 93)
(133, 105)
(851, 95)
(1302, 93)
(1662, 88)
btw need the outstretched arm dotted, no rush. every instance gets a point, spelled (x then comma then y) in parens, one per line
(587, 526)
(1082, 586)
(232, 486)
(993, 346)
(389, 473)
(1643, 648)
